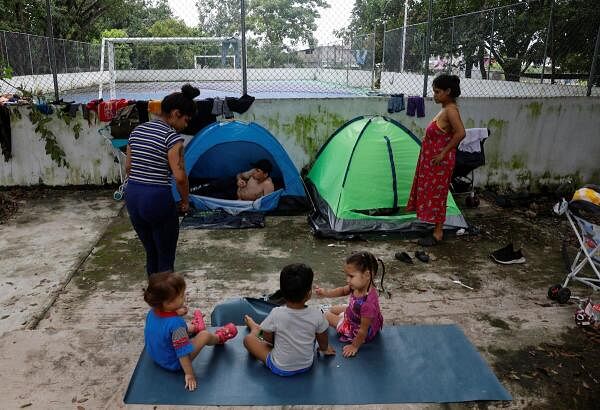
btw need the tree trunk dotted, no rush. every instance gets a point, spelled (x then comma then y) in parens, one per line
(482, 63)
(512, 69)
(468, 66)
(482, 69)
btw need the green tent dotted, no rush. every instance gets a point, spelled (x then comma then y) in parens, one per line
(361, 179)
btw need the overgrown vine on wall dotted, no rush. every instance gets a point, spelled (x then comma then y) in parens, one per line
(51, 144)
(68, 119)
(77, 130)
(15, 114)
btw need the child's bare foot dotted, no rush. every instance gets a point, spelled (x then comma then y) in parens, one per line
(252, 325)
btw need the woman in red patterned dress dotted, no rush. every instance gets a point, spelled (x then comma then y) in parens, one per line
(436, 160)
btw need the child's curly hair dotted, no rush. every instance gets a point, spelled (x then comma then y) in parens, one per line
(163, 287)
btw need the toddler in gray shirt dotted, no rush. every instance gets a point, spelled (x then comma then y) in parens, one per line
(288, 334)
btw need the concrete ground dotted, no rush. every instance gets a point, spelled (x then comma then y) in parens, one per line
(72, 274)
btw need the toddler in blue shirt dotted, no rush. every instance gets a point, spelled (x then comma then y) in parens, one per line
(167, 336)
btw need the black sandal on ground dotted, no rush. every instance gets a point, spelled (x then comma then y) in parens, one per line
(403, 257)
(422, 256)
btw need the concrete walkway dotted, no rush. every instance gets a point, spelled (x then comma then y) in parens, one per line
(72, 275)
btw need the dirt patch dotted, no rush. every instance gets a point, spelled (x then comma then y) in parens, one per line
(567, 375)
(8, 206)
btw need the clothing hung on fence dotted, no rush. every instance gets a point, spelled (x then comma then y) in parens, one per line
(204, 112)
(415, 104)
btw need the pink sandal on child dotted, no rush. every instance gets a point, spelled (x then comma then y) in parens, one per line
(198, 321)
(229, 331)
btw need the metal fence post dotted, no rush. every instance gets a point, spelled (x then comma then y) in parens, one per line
(491, 43)
(594, 61)
(546, 42)
(65, 55)
(383, 46)
(101, 70)
(6, 48)
(111, 70)
(52, 50)
(404, 35)
(243, 29)
(427, 44)
(452, 45)
(374, 50)
(30, 59)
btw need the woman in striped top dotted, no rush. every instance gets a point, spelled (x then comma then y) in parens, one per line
(154, 153)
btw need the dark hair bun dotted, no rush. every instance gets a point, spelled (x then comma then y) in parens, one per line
(190, 92)
(456, 79)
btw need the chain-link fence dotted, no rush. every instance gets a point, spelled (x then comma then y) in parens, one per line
(535, 48)
(29, 59)
(529, 49)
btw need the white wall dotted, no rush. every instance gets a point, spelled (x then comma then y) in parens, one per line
(533, 141)
(89, 157)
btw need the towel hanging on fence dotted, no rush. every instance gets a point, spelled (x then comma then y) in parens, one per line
(204, 112)
(396, 103)
(415, 103)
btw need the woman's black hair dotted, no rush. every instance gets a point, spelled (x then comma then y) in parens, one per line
(163, 287)
(448, 81)
(367, 261)
(182, 101)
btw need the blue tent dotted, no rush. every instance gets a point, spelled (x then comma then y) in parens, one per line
(224, 149)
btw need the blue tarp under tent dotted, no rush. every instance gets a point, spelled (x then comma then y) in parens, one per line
(224, 149)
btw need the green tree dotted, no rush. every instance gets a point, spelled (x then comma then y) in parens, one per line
(171, 56)
(123, 51)
(279, 24)
(274, 26)
(25, 16)
(573, 35)
(514, 35)
(219, 18)
(137, 16)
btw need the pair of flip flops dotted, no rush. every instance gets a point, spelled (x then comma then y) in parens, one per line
(405, 257)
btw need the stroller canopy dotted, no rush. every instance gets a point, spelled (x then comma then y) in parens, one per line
(361, 180)
(224, 149)
(587, 199)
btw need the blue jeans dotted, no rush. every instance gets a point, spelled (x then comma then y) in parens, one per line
(153, 214)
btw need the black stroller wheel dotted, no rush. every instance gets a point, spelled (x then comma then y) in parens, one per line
(553, 291)
(564, 295)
